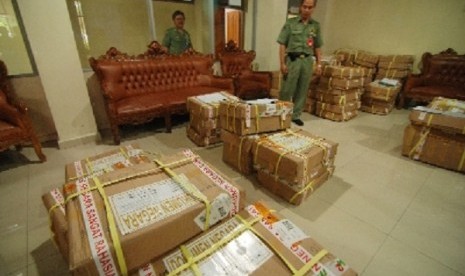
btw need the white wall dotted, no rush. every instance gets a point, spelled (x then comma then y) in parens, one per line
(50, 34)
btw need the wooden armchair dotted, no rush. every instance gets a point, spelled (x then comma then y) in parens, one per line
(15, 125)
(236, 63)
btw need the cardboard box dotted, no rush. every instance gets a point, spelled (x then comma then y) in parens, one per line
(389, 65)
(397, 58)
(124, 156)
(337, 96)
(257, 116)
(337, 108)
(327, 83)
(54, 203)
(366, 57)
(205, 139)
(378, 91)
(232, 249)
(155, 208)
(204, 127)
(343, 72)
(338, 117)
(206, 106)
(237, 151)
(443, 113)
(382, 108)
(292, 154)
(434, 146)
(294, 196)
(392, 73)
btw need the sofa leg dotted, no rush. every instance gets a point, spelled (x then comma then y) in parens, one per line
(38, 148)
(168, 123)
(115, 133)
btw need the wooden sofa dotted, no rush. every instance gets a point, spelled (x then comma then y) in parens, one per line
(139, 88)
(442, 75)
(15, 125)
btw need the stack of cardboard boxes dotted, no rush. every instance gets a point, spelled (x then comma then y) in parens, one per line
(338, 93)
(436, 134)
(204, 126)
(244, 122)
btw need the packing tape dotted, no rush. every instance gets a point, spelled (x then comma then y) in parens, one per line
(417, 148)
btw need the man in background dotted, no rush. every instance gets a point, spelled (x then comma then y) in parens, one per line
(177, 40)
(299, 40)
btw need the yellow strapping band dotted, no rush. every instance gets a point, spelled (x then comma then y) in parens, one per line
(191, 190)
(420, 141)
(430, 118)
(112, 227)
(308, 266)
(307, 187)
(89, 166)
(234, 119)
(50, 222)
(278, 162)
(342, 100)
(124, 153)
(190, 260)
(256, 150)
(462, 161)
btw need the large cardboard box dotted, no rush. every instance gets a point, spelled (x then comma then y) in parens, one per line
(292, 154)
(337, 117)
(338, 108)
(256, 116)
(396, 58)
(124, 156)
(54, 202)
(377, 107)
(435, 147)
(133, 215)
(292, 194)
(343, 72)
(378, 91)
(310, 105)
(338, 96)
(328, 83)
(443, 113)
(389, 65)
(237, 151)
(255, 242)
(206, 139)
(206, 106)
(204, 123)
(392, 73)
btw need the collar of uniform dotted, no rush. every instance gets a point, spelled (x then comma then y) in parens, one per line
(310, 21)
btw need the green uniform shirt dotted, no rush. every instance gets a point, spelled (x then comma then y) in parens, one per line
(177, 41)
(300, 37)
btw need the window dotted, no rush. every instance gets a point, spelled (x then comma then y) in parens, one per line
(13, 49)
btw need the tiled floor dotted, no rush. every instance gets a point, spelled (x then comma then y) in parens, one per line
(381, 212)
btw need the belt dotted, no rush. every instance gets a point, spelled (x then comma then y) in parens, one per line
(294, 55)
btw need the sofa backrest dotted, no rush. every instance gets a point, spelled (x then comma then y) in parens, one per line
(234, 60)
(128, 77)
(444, 69)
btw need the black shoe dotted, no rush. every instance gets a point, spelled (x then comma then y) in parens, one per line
(298, 122)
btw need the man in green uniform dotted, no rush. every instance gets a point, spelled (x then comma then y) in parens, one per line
(299, 40)
(177, 40)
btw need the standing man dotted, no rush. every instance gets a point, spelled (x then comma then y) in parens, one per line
(177, 40)
(299, 40)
